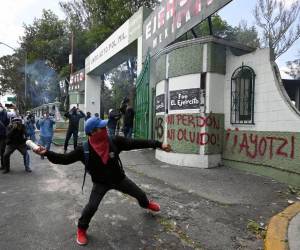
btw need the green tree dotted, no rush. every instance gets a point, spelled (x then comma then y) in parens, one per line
(276, 21)
(241, 33)
(46, 45)
(12, 77)
(47, 39)
(93, 21)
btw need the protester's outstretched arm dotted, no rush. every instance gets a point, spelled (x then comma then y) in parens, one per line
(129, 144)
(64, 159)
(82, 115)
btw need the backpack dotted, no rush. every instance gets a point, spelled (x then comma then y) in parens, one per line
(112, 154)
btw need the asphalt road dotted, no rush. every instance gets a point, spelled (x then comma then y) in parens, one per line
(201, 209)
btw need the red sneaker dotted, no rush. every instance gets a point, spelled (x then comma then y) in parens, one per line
(154, 206)
(81, 237)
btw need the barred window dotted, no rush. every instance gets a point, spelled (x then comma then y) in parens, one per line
(242, 95)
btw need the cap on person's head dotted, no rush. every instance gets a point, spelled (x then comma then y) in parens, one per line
(94, 122)
(16, 119)
(110, 110)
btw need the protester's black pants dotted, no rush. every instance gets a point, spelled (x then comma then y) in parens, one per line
(126, 186)
(2, 150)
(71, 132)
(10, 149)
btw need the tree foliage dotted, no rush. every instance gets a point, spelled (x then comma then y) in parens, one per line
(241, 33)
(276, 21)
(93, 21)
(46, 39)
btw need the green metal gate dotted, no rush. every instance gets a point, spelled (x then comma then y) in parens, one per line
(142, 102)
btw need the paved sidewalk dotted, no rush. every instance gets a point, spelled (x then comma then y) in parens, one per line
(294, 233)
(259, 198)
(207, 209)
(284, 229)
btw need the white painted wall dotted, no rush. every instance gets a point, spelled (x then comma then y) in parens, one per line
(214, 93)
(139, 55)
(189, 160)
(272, 109)
(92, 94)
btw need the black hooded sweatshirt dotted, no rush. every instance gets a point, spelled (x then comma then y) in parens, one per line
(113, 171)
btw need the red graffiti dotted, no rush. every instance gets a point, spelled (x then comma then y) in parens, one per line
(194, 121)
(253, 145)
(184, 135)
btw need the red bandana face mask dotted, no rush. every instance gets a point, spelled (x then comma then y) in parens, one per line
(100, 143)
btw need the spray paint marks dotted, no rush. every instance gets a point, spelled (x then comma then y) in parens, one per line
(188, 132)
(276, 149)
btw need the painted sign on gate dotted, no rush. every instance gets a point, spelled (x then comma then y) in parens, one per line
(185, 99)
(172, 18)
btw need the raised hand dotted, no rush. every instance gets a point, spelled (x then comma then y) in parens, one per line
(40, 151)
(166, 147)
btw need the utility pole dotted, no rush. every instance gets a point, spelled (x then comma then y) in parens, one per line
(72, 54)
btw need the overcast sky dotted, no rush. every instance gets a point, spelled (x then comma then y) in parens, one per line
(14, 13)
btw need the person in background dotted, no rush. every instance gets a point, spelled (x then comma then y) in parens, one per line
(97, 115)
(16, 139)
(88, 115)
(128, 122)
(4, 121)
(46, 124)
(30, 126)
(101, 158)
(74, 116)
(113, 118)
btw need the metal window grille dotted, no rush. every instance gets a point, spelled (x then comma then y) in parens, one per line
(242, 95)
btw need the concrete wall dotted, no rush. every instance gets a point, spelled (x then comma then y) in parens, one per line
(271, 146)
(273, 109)
(195, 132)
(92, 94)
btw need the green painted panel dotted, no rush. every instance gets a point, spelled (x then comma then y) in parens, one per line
(186, 60)
(187, 133)
(279, 175)
(280, 150)
(214, 129)
(216, 59)
(160, 67)
(73, 97)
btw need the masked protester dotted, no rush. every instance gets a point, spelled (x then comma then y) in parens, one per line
(113, 118)
(16, 138)
(46, 124)
(30, 126)
(74, 117)
(4, 121)
(101, 158)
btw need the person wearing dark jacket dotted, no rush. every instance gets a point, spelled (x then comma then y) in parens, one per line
(74, 116)
(4, 121)
(128, 121)
(113, 118)
(16, 138)
(105, 168)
